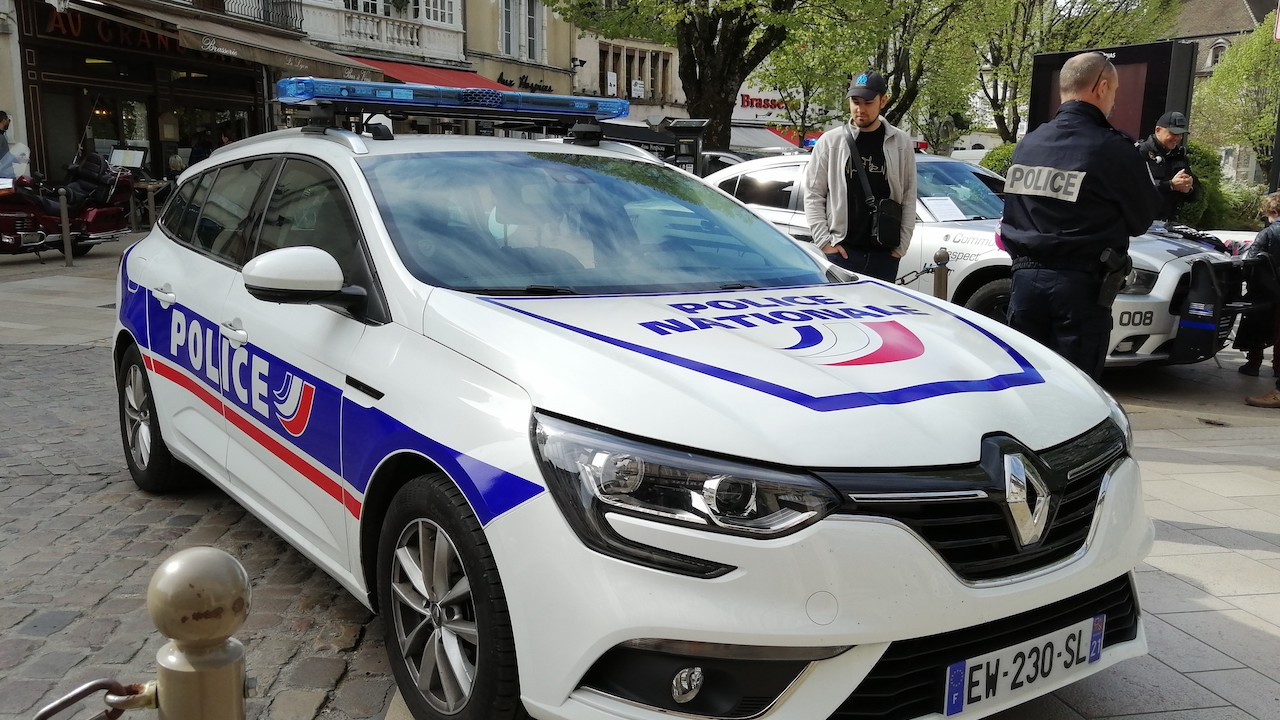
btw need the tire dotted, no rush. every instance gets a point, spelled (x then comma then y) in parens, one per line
(462, 621)
(153, 467)
(992, 300)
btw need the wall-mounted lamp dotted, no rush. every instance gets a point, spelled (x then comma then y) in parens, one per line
(575, 63)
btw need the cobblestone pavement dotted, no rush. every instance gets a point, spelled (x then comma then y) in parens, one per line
(79, 543)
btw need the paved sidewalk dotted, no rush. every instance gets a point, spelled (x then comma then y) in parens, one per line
(47, 303)
(1210, 588)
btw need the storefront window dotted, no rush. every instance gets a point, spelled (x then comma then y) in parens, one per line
(203, 129)
(119, 124)
(95, 85)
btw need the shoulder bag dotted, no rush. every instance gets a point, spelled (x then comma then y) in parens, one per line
(886, 215)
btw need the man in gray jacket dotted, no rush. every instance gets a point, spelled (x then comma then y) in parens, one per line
(835, 204)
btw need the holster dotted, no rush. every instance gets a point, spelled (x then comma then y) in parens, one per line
(1115, 267)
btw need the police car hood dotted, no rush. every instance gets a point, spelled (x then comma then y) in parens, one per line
(861, 374)
(1152, 251)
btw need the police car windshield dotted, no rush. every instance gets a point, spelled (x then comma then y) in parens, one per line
(959, 181)
(514, 222)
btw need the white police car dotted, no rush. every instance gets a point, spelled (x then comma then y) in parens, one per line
(957, 208)
(598, 442)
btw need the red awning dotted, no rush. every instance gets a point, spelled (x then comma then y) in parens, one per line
(432, 76)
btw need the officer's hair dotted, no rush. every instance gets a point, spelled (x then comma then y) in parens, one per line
(1270, 204)
(3, 116)
(1081, 73)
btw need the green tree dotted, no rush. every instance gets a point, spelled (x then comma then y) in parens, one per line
(998, 159)
(1210, 209)
(810, 72)
(941, 110)
(720, 43)
(919, 45)
(1007, 34)
(1237, 104)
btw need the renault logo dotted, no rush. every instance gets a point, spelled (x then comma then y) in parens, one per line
(1028, 498)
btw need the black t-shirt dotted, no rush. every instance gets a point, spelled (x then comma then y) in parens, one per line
(871, 148)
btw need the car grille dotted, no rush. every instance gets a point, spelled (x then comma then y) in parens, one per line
(22, 221)
(909, 680)
(976, 535)
(1228, 276)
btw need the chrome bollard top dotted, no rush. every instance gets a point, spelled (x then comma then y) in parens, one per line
(199, 597)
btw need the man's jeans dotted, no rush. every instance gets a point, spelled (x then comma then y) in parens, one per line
(876, 263)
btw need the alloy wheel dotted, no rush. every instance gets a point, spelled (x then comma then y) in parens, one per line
(434, 616)
(137, 403)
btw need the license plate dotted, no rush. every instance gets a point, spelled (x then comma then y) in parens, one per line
(1016, 670)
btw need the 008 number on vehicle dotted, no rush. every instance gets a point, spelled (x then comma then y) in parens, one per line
(1130, 318)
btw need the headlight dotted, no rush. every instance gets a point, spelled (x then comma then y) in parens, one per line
(593, 473)
(1139, 282)
(1121, 419)
(1117, 415)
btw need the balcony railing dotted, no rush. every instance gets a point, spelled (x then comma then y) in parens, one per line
(285, 14)
(410, 39)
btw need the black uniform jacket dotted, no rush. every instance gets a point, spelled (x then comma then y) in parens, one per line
(1076, 187)
(1164, 164)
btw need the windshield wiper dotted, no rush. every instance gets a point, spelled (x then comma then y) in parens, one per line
(549, 290)
(737, 286)
(526, 290)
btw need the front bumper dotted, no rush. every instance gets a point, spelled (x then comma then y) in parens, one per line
(864, 582)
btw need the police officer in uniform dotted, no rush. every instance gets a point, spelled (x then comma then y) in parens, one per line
(1076, 191)
(1165, 153)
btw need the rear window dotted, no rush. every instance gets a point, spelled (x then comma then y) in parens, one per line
(525, 222)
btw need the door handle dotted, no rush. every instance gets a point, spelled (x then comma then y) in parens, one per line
(165, 295)
(234, 334)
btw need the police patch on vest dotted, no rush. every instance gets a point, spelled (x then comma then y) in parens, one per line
(1044, 181)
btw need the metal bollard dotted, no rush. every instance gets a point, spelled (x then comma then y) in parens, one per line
(133, 212)
(941, 258)
(151, 206)
(198, 598)
(66, 227)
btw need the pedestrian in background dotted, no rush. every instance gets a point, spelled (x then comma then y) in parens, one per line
(1165, 153)
(6, 158)
(226, 135)
(858, 232)
(201, 147)
(1261, 328)
(1076, 191)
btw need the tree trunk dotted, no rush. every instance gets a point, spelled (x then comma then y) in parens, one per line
(716, 56)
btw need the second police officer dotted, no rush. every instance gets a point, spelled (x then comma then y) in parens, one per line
(1075, 193)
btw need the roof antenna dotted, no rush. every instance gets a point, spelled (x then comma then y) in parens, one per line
(583, 133)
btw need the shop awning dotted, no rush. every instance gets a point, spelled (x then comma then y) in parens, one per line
(756, 137)
(289, 54)
(294, 56)
(422, 74)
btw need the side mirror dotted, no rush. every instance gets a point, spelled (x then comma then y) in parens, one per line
(301, 276)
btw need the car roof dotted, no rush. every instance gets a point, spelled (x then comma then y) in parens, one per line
(359, 145)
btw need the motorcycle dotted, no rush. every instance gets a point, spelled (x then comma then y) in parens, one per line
(98, 209)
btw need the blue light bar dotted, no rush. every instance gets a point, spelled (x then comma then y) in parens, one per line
(292, 91)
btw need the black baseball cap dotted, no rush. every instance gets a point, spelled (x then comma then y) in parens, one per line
(867, 85)
(1173, 121)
